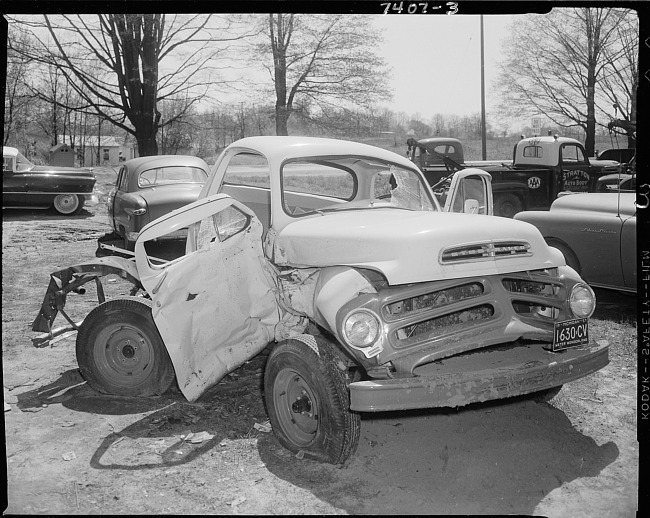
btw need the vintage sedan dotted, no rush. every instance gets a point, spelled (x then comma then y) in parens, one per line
(150, 187)
(26, 185)
(596, 232)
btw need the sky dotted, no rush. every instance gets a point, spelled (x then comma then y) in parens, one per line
(436, 61)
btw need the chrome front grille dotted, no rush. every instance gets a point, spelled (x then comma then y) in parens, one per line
(436, 299)
(484, 251)
(451, 322)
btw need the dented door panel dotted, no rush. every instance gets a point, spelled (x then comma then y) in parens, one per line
(215, 307)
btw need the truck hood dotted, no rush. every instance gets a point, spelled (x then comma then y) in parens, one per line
(413, 246)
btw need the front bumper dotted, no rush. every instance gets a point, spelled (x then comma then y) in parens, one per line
(492, 373)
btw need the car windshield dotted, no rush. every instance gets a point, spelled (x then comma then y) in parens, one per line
(326, 184)
(171, 175)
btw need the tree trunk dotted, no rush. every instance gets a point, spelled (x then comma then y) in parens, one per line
(147, 145)
(281, 119)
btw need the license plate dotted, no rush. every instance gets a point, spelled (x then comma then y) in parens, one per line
(570, 333)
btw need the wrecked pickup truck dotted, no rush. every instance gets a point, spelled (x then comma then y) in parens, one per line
(541, 169)
(373, 295)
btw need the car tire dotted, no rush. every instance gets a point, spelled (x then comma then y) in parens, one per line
(544, 396)
(307, 400)
(569, 256)
(120, 351)
(507, 205)
(68, 204)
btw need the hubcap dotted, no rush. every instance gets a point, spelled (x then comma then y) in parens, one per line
(66, 203)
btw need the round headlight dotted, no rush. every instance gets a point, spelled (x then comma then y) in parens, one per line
(582, 300)
(361, 328)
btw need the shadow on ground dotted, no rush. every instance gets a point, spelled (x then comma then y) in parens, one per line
(498, 458)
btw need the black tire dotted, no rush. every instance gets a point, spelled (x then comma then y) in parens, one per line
(308, 402)
(544, 396)
(120, 351)
(68, 204)
(569, 256)
(507, 205)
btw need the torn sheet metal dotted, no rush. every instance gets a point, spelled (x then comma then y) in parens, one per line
(72, 278)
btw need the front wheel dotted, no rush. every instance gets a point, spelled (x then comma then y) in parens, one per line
(68, 204)
(120, 351)
(308, 402)
(507, 205)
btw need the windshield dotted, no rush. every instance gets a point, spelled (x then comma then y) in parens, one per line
(326, 184)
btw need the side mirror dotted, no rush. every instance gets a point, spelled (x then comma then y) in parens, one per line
(471, 206)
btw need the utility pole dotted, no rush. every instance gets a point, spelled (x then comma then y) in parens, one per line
(483, 132)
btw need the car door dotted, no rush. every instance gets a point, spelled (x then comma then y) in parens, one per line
(577, 175)
(595, 238)
(13, 184)
(470, 192)
(215, 307)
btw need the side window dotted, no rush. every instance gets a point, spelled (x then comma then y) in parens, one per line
(248, 169)
(247, 179)
(220, 227)
(472, 188)
(470, 193)
(572, 154)
(122, 180)
(7, 164)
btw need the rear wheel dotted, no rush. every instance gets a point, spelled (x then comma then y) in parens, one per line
(507, 205)
(68, 204)
(308, 402)
(120, 351)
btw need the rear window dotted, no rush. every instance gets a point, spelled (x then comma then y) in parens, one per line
(171, 175)
(533, 152)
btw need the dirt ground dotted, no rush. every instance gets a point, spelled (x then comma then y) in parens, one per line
(71, 450)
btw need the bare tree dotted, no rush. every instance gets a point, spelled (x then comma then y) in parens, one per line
(620, 80)
(557, 62)
(18, 96)
(322, 61)
(123, 65)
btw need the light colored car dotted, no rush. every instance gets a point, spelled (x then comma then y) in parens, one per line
(596, 233)
(149, 187)
(373, 295)
(26, 185)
